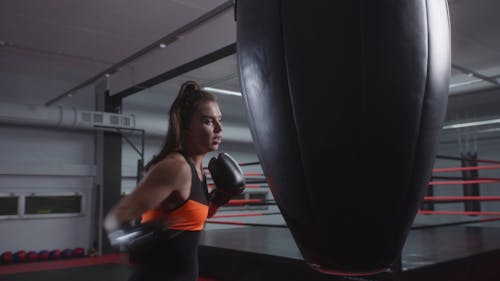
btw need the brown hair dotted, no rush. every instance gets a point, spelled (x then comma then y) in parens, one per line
(188, 99)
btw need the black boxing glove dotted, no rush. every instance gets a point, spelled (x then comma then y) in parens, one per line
(135, 237)
(228, 178)
(128, 236)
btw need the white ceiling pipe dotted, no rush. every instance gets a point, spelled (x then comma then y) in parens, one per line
(59, 117)
(22, 114)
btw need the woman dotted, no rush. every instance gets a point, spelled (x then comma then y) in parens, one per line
(174, 191)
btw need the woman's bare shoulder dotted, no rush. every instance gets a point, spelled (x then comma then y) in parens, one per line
(174, 167)
(169, 175)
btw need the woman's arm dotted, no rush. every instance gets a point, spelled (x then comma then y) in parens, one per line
(169, 175)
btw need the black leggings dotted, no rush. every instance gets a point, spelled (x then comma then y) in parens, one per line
(167, 259)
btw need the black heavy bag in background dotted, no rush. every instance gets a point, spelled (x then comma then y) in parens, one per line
(346, 101)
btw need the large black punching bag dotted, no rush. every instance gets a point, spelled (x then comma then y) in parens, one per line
(346, 100)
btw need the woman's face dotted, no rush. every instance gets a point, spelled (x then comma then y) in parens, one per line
(204, 133)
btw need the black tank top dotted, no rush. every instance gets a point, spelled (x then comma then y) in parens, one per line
(192, 213)
(174, 256)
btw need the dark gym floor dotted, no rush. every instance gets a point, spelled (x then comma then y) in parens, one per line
(104, 272)
(440, 253)
(423, 247)
(265, 253)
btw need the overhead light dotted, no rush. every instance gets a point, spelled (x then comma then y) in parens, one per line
(465, 83)
(222, 91)
(492, 130)
(472, 124)
(163, 45)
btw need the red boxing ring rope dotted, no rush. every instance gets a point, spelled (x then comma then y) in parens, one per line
(247, 224)
(464, 213)
(466, 159)
(426, 199)
(471, 168)
(246, 215)
(431, 183)
(243, 201)
(461, 198)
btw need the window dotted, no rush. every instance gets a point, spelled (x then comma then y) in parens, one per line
(53, 204)
(9, 205)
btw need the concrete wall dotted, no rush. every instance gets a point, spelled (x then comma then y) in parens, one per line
(40, 156)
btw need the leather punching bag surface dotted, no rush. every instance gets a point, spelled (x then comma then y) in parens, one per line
(346, 100)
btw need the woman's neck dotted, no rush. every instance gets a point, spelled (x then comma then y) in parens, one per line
(196, 158)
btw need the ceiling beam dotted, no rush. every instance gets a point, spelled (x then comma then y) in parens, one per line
(163, 42)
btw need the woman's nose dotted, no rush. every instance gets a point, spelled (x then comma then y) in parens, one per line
(218, 127)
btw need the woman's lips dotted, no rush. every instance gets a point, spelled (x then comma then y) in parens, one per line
(217, 140)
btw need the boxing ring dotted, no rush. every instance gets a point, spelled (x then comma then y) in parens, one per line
(463, 247)
(268, 253)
